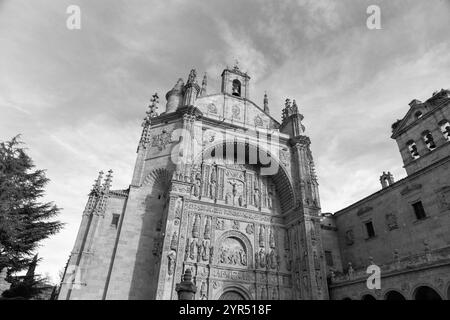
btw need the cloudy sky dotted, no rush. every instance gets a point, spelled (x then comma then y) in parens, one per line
(78, 96)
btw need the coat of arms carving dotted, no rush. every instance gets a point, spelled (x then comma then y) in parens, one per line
(162, 140)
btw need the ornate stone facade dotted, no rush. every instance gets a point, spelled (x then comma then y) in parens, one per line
(211, 192)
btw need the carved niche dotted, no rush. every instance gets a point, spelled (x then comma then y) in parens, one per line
(233, 252)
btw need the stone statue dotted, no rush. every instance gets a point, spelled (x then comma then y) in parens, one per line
(205, 255)
(243, 257)
(262, 258)
(223, 255)
(240, 201)
(256, 197)
(256, 259)
(211, 254)
(199, 251)
(228, 198)
(171, 262)
(212, 189)
(197, 185)
(192, 250)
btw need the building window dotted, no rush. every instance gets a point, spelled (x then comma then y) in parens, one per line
(429, 141)
(418, 114)
(236, 88)
(115, 219)
(445, 128)
(413, 149)
(329, 258)
(419, 211)
(370, 230)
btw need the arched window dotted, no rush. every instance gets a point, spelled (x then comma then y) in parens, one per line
(445, 128)
(429, 141)
(236, 90)
(394, 296)
(426, 293)
(368, 297)
(418, 114)
(413, 149)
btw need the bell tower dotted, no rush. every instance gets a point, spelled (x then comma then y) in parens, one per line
(235, 82)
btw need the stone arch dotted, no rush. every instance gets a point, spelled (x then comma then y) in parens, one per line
(240, 236)
(368, 297)
(282, 179)
(160, 177)
(235, 290)
(394, 295)
(426, 292)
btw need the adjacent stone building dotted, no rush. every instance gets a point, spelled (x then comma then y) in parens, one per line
(405, 227)
(220, 187)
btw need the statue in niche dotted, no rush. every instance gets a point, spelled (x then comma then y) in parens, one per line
(211, 254)
(174, 241)
(186, 250)
(207, 233)
(242, 257)
(192, 250)
(212, 189)
(257, 197)
(234, 190)
(261, 236)
(270, 197)
(278, 258)
(271, 238)
(250, 228)
(197, 184)
(262, 258)
(223, 255)
(171, 263)
(178, 208)
(213, 184)
(199, 251)
(205, 255)
(228, 198)
(319, 281)
(240, 201)
(203, 291)
(272, 259)
(316, 261)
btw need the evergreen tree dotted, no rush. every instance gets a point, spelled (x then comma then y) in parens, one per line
(24, 221)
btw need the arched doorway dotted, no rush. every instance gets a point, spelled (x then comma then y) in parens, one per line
(394, 296)
(232, 295)
(426, 293)
(368, 297)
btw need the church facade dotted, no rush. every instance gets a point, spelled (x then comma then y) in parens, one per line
(219, 187)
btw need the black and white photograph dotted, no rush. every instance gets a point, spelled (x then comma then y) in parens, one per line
(252, 150)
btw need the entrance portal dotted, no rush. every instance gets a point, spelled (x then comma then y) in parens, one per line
(231, 295)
